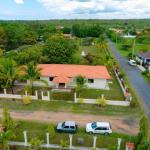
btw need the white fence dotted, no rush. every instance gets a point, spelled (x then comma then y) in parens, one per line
(46, 97)
(56, 146)
(108, 102)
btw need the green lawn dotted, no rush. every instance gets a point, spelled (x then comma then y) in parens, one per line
(138, 48)
(63, 106)
(38, 130)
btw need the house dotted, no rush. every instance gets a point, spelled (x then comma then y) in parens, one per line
(63, 76)
(144, 59)
(68, 36)
(129, 36)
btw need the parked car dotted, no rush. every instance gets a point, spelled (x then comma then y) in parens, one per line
(67, 126)
(99, 127)
(132, 62)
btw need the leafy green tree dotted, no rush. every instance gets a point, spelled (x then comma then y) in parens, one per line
(1, 52)
(59, 50)
(5, 136)
(101, 101)
(80, 84)
(143, 135)
(31, 54)
(51, 130)
(30, 37)
(9, 73)
(7, 121)
(35, 144)
(32, 74)
(3, 38)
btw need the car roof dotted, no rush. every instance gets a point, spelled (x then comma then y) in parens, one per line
(100, 124)
(132, 60)
(70, 123)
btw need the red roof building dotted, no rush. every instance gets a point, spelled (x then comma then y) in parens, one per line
(65, 74)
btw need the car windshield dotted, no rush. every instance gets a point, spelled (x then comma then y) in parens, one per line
(93, 125)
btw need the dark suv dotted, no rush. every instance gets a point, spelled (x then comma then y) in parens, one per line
(67, 126)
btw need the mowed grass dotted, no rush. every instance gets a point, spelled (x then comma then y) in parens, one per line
(36, 129)
(138, 49)
(63, 106)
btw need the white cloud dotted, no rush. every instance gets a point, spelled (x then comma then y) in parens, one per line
(98, 8)
(19, 1)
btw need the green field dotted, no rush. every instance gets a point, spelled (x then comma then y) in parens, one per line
(63, 106)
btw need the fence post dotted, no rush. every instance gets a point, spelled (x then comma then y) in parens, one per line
(119, 143)
(75, 97)
(36, 94)
(70, 139)
(48, 94)
(94, 141)
(47, 139)
(5, 92)
(25, 138)
(26, 93)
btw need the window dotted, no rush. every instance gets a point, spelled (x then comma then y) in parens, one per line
(51, 78)
(72, 127)
(90, 80)
(66, 127)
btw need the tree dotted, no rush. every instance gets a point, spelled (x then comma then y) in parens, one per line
(51, 130)
(30, 37)
(1, 52)
(143, 135)
(9, 73)
(35, 144)
(30, 54)
(7, 121)
(81, 84)
(60, 50)
(32, 74)
(3, 38)
(5, 136)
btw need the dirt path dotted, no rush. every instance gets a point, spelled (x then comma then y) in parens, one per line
(119, 124)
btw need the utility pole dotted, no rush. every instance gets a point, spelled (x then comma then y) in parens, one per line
(133, 49)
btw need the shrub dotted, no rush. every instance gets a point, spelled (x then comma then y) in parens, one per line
(51, 130)
(81, 100)
(101, 102)
(26, 100)
(64, 144)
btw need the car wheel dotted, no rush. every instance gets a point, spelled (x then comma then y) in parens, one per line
(106, 133)
(91, 132)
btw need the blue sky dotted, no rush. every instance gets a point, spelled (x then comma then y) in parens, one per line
(73, 9)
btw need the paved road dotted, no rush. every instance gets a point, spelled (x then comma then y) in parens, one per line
(135, 78)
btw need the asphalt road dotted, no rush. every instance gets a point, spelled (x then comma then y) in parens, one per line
(135, 78)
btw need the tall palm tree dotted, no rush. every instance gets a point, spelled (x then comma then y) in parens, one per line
(32, 74)
(9, 73)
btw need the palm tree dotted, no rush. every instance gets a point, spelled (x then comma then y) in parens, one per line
(35, 144)
(9, 73)
(32, 74)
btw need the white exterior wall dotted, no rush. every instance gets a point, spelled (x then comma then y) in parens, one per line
(98, 83)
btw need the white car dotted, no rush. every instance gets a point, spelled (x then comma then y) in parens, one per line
(132, 62)
(99, 127)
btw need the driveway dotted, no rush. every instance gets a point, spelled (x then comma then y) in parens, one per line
(126, 125)
(134, 75)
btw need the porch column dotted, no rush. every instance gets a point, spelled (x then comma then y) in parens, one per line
(48, 94)
(36, 94)
(94, 141)
(25, 138)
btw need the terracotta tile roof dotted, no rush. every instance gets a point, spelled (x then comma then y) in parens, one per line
(56, 70)
(61, 79)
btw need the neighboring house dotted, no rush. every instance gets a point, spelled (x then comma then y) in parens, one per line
(64, 76)
(144, 59)
(120, 31)
(129, 36)
(68, 36)
(130, 146)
